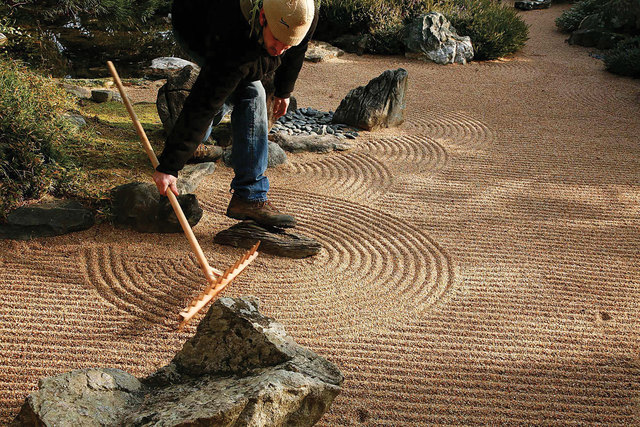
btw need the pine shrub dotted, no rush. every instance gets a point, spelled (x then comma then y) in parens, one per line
(570, 20)
(495, 29)
(624, 59)
(32, 137)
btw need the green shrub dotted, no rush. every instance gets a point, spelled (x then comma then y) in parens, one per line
(495, 29)
(624, 59)
(32, 132)
(570, 19)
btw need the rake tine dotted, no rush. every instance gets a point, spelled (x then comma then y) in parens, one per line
(213, 289)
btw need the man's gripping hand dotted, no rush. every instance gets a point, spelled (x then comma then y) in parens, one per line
(280, 106)
(164, 181)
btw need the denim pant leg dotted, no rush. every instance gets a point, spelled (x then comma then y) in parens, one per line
(250, 149)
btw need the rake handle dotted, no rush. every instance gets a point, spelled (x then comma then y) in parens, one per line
(193, 242)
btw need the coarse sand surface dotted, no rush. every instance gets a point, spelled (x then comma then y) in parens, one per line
(481, 263)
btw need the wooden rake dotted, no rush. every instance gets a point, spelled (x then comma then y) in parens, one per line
(216, 284)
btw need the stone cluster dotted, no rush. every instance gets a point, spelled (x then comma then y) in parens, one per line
(309, 121)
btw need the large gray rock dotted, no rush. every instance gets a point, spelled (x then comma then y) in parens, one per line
(139, 206)
(86, 397)
(192, 175)
(167, 66)
(77, 91)
(273, 241)
(46, 219)
(239, 369)
(379, 104)
(171, 95)
(431, 37)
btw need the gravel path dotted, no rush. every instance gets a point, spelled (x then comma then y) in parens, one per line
(480, 263)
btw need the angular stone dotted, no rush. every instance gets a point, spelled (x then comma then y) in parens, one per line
(239, 369)
(352, 43)
(139, 206)
(171, 95)
(321, 52)
(191, 176)
(431, 37)
(532, 4)
(77, 91)
(273, 240)
(46, 219)
(311, 143)
(101, 95)
(81, 398)
(379, 104)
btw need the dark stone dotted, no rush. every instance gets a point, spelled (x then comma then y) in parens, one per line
(532, 4)
(101, 95)
(352, 43)
(598, 38)
(171, 95)
(240, 368)
(379, 104)
(46, 219)
(139, 206)
(273, 240)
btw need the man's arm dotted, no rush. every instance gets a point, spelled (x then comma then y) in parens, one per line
(212, 87)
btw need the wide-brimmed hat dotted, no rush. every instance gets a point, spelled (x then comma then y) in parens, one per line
(289, 20)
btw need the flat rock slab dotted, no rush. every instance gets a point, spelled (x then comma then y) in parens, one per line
(273, 240)
(47, 219)
(310, 143)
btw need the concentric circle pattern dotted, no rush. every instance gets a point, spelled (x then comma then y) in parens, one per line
(479, 263)
(454, 130)
(358, 175)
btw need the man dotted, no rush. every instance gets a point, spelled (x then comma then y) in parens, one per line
(236, 43)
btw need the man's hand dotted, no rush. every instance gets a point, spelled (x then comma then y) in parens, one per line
(280, 106)
(164, 181)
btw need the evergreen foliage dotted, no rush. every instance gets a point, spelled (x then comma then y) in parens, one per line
(495, 29)
(32, 133)
(624, 59)
(570, 19)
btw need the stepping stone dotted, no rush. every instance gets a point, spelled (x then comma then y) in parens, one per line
(274, 241)
(46, 219)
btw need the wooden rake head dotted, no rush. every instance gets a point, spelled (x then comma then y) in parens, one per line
(216, 287)
(223, 278)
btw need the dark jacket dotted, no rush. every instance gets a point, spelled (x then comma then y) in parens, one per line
(218, 32)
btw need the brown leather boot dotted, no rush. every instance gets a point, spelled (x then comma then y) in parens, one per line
(264, 213)
(206, 153)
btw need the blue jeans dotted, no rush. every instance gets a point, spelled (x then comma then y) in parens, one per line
(249, 128)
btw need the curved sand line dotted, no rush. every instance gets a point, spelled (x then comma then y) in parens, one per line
(480, 264)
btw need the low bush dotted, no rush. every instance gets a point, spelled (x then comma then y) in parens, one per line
(495, 30)
(570, 19)
(624, 59)
(32, 132)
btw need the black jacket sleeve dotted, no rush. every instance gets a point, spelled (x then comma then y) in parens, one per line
(212, 87)
(287, 74)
